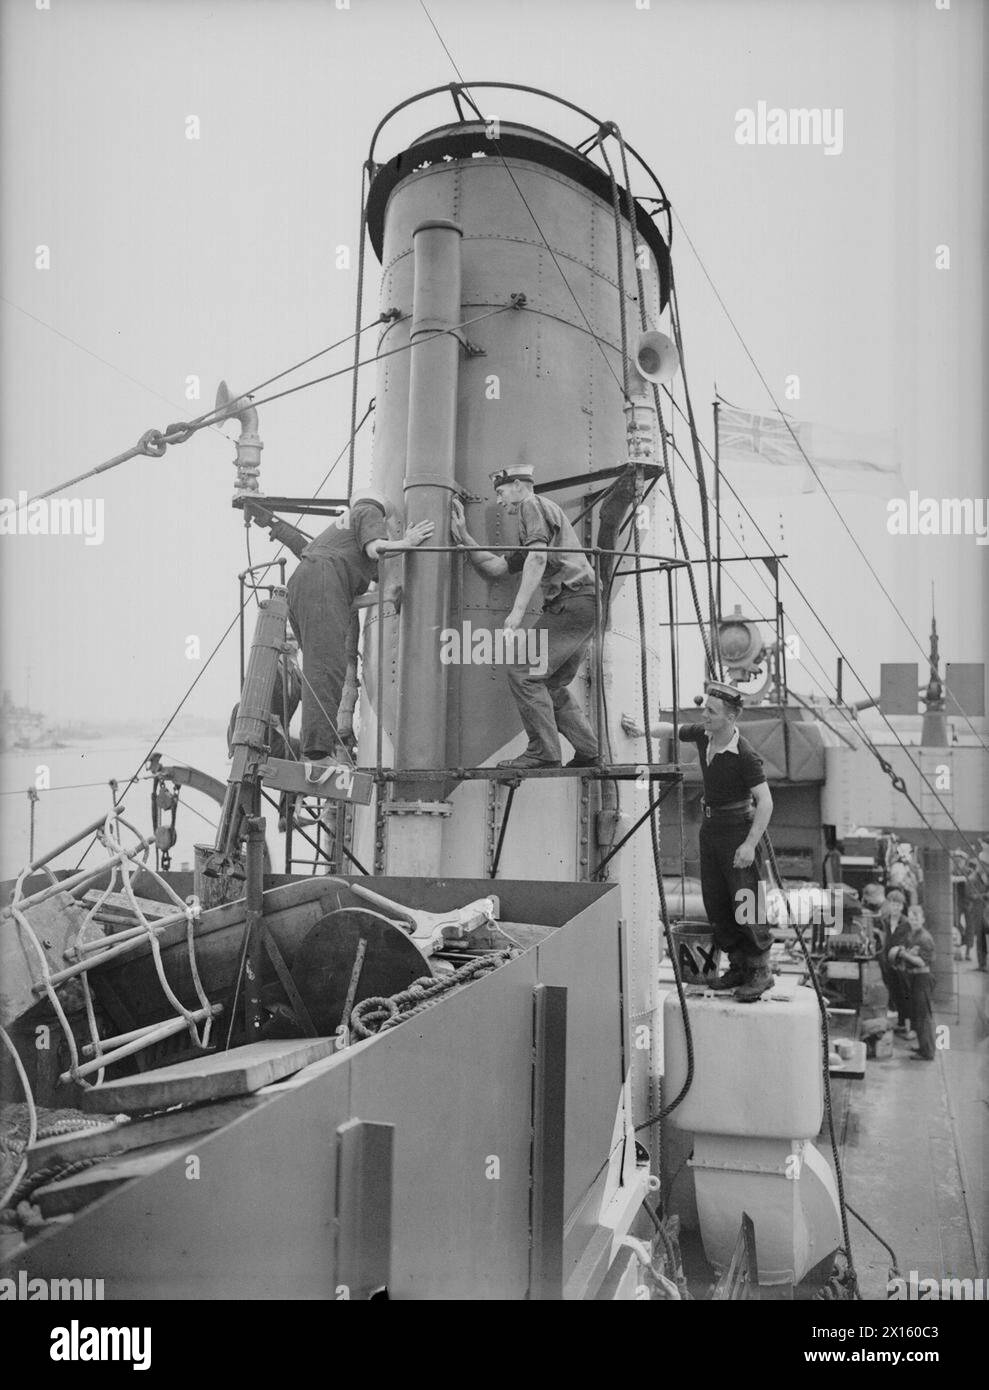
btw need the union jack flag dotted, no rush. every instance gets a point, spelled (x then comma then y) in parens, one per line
(837, 460)
(744, 437)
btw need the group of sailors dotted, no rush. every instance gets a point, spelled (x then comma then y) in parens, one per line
(339, 565)
(905, 947)
(905, 950)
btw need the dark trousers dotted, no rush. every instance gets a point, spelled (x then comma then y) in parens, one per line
(545, 704)
(921, 988)
(319, 600)
(731, 896)
(898, 988)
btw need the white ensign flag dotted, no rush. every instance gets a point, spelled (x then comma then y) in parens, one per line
(775, 462)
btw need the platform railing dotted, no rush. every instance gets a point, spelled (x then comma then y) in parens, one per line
(660, 564)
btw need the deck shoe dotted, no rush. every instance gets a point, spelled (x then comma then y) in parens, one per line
(525, 761)
(735, 975)
(760, 978)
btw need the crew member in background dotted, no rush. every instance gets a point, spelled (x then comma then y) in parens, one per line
(915, 958)
(904, 872)
(896, 928)
(964, 937)
(337, 567)
(873, 900)
(545, 703)
(730, 834)
(977, 903)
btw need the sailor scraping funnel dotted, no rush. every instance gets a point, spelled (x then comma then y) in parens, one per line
(520, 473)
(334, 570)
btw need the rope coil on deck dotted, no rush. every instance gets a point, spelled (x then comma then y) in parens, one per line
(379, 1013)
(56, 1171)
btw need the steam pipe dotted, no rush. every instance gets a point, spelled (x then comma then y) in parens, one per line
(249, 446)
(429, 482)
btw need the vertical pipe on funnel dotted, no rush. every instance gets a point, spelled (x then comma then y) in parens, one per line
(429, 481)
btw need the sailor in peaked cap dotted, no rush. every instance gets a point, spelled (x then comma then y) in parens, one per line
(552, 568)
(729, 693)
(520, 473)
(737, 808)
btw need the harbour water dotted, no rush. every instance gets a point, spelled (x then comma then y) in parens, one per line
(74, 788)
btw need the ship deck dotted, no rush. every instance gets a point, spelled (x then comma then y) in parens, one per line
(914, 1143)
(914, 1139)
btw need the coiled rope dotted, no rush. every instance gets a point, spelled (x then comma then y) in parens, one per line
(379, 1013)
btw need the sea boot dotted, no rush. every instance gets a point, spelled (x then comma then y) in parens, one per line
(734, 976)
(759, 979)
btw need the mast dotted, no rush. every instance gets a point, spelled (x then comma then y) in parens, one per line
(934, 732)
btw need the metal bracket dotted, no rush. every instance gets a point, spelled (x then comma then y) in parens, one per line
(496, 855)
(363, 1208)
(583, 480)
(549, 1089)
(296, 1000)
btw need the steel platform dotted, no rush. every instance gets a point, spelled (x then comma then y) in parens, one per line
(620, 772)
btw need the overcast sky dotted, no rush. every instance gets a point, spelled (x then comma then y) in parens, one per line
(215, 257)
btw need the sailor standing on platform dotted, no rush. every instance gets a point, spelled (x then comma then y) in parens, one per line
(550, 560)
(729, 838)
(337, 567)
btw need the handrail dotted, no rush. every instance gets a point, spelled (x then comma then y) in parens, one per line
(665, 564)
(666, 561)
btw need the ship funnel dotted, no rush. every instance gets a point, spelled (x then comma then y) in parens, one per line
(249, 446)
(656, 357)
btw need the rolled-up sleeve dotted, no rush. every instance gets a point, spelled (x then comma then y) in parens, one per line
(753, 771)
(369, 525)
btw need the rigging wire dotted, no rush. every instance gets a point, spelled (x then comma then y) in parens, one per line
(637, 499)
(644, 321)
(712, 601)
(358, 312)
(834, 642)
(233, 623)
(727, 481)
(378, 357)
(69, 787)
(853, 724)
(96, 356)
(831, 502)
(875, 1234)
(154, 442)
(825, 1071)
